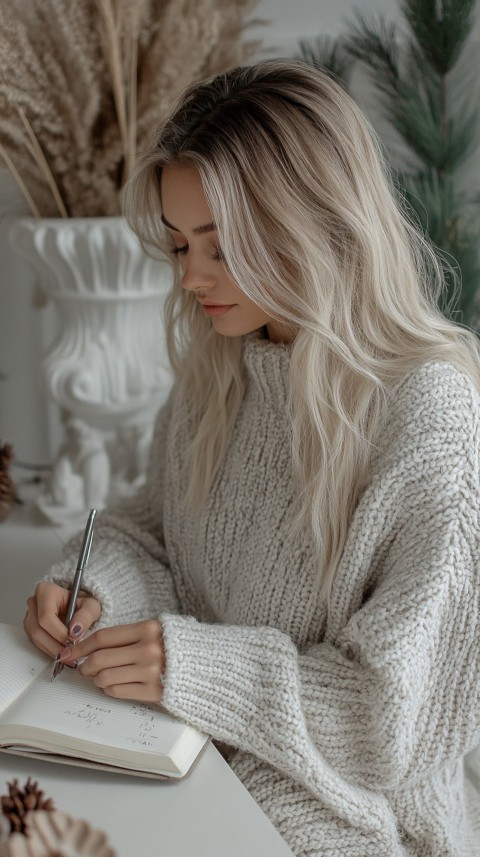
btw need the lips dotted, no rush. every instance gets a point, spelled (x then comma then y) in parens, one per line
(217, 309)
(210, 305)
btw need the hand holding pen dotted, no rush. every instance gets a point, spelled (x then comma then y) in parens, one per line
(81, 564)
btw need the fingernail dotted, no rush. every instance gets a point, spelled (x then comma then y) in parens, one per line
(71, 664)
(76, 630)
(65, 654)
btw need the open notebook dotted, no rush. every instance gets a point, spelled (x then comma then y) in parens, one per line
(70, 720)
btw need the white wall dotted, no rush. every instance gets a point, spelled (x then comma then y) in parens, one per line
(309, 18)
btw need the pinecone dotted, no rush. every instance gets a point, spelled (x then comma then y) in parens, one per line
(56, 834)
(19, 801)
(4, 835)
(7, 487)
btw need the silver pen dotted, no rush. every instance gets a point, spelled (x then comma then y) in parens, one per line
(81, 563)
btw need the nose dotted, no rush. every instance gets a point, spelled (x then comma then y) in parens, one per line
(196, 277)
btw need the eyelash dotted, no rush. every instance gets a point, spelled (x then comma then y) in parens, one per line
(218, 257)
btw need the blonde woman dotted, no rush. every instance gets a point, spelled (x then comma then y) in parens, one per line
(299, 577)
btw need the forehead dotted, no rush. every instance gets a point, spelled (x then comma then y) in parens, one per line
(183, 199)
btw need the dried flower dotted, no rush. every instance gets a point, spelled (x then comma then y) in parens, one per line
(83, 87)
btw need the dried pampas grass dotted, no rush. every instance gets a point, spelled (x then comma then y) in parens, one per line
(83, 86)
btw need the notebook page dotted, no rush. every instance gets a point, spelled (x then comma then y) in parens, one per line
(71, 705)
(20, 663)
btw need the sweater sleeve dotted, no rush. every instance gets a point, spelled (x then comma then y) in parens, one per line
(128, 570)
(395, 692)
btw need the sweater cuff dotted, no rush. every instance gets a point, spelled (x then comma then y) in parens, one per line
(240, 685)
(61, 573)
(226, 680)
(127, 592)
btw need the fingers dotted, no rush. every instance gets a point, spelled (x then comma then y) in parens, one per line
(132, 674)
(131, 682)
(125, 661)
(139, 692)
(51, 605)
(46, 609)
(88, 612)
(104, 659)
(120, 635)
(42, 639)
(41, 623)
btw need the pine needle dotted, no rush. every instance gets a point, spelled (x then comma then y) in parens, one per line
(42, 163)
(328, 54)
(16, 175)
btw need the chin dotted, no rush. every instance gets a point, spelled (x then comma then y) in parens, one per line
(227, 327)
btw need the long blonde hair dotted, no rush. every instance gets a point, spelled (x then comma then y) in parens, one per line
(313, 231)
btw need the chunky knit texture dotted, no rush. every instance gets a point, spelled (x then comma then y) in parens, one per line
(349, 728)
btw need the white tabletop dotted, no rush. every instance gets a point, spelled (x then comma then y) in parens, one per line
(208, 814)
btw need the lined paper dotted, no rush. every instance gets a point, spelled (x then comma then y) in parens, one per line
(21, 662)
(73, 706)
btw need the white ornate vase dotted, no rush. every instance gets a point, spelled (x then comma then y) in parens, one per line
(107, 368)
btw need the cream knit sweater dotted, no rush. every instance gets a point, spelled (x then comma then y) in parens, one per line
(348, 729)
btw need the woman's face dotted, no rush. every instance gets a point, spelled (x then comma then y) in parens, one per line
(187, 217)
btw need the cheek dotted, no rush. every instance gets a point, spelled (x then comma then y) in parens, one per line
(233, 288)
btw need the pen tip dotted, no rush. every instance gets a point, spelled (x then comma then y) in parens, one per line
(57, 668)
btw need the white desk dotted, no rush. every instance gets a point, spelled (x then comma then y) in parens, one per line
(209, 814)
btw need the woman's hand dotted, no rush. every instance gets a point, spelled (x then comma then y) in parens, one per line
(46, 612)
(126, 661)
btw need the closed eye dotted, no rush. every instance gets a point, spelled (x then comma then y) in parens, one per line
(180, 250)
(217, 257)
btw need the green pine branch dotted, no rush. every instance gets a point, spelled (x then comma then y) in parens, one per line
(417, 118)
(329, 55)
(411, 72)
(372, 41)
(412, 77)
(440, 28)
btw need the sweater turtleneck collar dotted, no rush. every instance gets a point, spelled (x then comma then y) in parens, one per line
(267, 366)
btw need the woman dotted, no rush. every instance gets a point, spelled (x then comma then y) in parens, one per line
(299, 575)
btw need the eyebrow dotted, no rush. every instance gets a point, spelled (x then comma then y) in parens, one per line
(199, 230)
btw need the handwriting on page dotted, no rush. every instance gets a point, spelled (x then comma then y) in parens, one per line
(72, 706)
(146, 726)
(144, 733)
(91, 715)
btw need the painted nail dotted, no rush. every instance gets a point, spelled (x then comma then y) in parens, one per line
(65, 654)
(76, 630)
